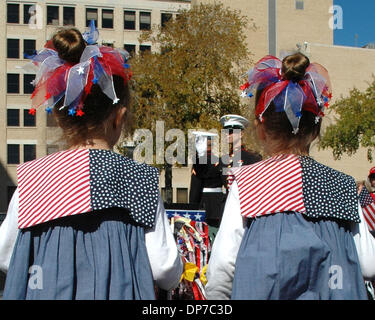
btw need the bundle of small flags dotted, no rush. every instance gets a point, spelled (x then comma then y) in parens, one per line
(194, 246)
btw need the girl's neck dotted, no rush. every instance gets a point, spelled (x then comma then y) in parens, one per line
(94, 144)
(282, 152)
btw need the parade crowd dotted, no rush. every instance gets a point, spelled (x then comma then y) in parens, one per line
(89, 223)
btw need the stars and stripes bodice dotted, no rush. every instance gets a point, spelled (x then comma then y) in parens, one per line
(368, 207)
(84, 180)
(291, 183)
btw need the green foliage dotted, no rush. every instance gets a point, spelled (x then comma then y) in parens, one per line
(193, 79)
(355, 124)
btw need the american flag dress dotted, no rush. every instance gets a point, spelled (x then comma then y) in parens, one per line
(82, 217)
(298, 243)
(368, 208)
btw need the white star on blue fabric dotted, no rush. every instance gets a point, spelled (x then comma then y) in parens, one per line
(198, 216)
(186, 215)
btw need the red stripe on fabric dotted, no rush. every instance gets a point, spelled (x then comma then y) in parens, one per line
(260, 176)
(273, 185)
(54, 186)
(59, 182)
(368, 221)
(75, 203)
(58, 201)
(263, 190)
(264, 178)
(41, 182)
(369, 214)
(56, 182)
(271, 203)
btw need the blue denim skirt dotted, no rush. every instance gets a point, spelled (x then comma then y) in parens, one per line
(287, 256)
(99, 255)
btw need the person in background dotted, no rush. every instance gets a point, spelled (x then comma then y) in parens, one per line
(238, 155)
(369, 184)
(86, 223)
(206, 188)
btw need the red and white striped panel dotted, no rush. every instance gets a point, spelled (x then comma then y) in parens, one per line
(54, 186)
(271, 186)
(369, 215)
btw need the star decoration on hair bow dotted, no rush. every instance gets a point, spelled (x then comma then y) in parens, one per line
(59, 83)
(312, 93)
(80, 70)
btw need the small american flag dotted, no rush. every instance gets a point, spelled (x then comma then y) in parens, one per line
(55, 186)
(368, 208)
(271, 186)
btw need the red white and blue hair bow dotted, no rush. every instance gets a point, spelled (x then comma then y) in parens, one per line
(312, 93)
(56, 78)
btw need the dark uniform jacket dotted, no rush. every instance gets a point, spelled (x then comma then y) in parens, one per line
(204, 176)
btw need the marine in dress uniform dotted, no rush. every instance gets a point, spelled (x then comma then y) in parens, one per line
(206, 187)
(231, 122)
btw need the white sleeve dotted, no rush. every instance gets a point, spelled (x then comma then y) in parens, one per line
(8, 233)
(220, 270)
(165, 260)
(365, 244)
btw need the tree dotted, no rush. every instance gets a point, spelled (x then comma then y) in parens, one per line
(194, 76)
(355, 124)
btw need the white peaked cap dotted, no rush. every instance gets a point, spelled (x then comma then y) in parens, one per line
(234, 121)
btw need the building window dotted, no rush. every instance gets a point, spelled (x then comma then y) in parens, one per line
(13, 13)
(28, 86)
(165, 17)
(11, 190)
(28, 119)
(300, 4)
(144, 20)
(13, 83)
(108, 44)
(13, 117)
(107, 18)
(91, 14)
(182, 195)
(13, 153)
(163, 194)
(69, 16)
(29, 152)
(28, 11)
(144, 48)
(28, 47)
(13, 48)
(129, 20)
(130, 48)
(52, 15)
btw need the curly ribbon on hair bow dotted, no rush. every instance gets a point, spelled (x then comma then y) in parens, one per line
(312, 93)
(57, 78)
